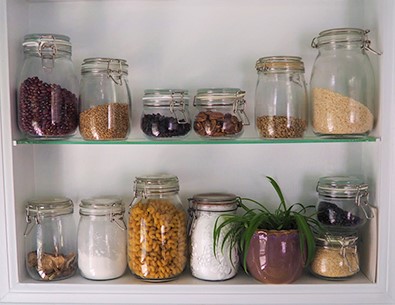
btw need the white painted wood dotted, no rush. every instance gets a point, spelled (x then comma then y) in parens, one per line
(191, 44)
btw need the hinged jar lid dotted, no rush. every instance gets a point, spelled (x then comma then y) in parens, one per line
(49, 207)
(280, 64)
(165, 97)
(101, 206)
(344, 36)
(115, 68)
(219, 97)
(46, 44)
(214, 202)
(156, 184)
(342, 186)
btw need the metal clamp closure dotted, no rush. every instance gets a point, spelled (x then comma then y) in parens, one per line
(117, 218)
(115, 75)
(184, 118)
(362, 200)
(238, 108)
(29, 225)
(47, 50)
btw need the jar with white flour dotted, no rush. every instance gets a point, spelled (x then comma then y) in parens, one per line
(205, 263)
(102, 238)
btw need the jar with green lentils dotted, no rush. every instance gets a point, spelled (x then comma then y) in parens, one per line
(105, 99)
(280, 97)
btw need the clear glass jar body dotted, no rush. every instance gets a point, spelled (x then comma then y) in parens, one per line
(220, 113)
(48, 105)
(165, 114)
(342, 84)
(336, 257)
(105, 99)
(102, 239)
(207, 263)
(343, 204)
(280, 97)
(50, 239)
(157, 246)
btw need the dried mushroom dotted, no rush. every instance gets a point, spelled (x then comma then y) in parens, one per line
(52, 266)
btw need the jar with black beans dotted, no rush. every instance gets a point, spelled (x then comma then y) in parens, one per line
(48, 105)
(165, 114)
(105, 99)
(220, 113)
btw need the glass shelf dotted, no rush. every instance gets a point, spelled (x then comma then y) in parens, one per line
(194, 140)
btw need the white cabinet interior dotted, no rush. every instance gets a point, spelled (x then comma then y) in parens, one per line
(193, 44)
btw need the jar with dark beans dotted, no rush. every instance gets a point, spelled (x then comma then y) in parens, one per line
(165, 114)
(46, 110)
(343, 204)
(221, 113)
(48, 105)
(157, 125)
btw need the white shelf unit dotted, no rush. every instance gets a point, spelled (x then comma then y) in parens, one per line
(193, 44)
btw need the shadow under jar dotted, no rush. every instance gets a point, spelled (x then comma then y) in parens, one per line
(165, 114)
(280, 97)
(50, 239)
(342, 84)
(221, 113)
(105, 99)
(48, 104)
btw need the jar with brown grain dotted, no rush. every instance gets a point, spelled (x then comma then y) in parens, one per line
(165, 114)
(342, 84)
(280, 97)
(157, 239)
(105, 99)
(50, 239)
(220, 113)
(336, 257)
(48, 105)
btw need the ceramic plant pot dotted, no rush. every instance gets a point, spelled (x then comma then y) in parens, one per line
(275, 257)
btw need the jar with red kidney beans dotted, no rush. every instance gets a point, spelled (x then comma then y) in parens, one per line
(48, 105)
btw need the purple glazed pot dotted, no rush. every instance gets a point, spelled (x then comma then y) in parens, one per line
(275, 257)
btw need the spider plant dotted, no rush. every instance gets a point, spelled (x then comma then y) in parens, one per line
(294, 217)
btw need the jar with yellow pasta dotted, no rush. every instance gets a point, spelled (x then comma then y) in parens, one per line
(157, 236)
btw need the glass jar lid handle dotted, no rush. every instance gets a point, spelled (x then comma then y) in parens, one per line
(47, 58)
(115, 75)
(29, 223)
(185, 119)
(238, 108)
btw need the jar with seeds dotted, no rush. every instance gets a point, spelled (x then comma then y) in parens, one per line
(48, 105)
(165, 114)
(336, 257)
(280, 97)
(342, 84)
(50, 239)
(220, 114)
(157, 239)
(105, 99)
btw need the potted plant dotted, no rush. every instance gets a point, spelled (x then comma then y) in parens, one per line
(275, 246)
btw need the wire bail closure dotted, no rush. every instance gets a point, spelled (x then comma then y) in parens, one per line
(115, 75)
(185, 119)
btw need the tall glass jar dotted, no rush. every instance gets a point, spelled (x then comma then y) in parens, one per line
(165, 114)
(336, 257)
(48, 105)
(221, 113)
(102, 238)
(157, 245)
(206, 262)
(343, 203)
(105, 99)
(342, 84)
(280, 97)
(50, 239)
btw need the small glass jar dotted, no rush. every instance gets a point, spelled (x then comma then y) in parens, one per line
(221, 113)
(102, 238)
(280, 97)
(336, 257)
(50, 239)
(342, 84)
(157, 245)
(206, 262)
(343, 203)
(48, 105)
(165, 114)
(105, 99)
